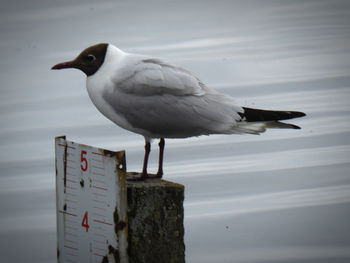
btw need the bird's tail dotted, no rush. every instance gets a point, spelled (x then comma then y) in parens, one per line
(256, 121)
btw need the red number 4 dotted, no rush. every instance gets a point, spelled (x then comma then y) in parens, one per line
(83, 161)
(85, 223)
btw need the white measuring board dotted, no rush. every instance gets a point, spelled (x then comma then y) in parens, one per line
(91, 204)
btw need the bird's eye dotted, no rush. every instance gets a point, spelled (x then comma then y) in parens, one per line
(91, 57)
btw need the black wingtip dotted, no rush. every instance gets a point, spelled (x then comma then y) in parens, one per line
(252, 115)
(297, 114)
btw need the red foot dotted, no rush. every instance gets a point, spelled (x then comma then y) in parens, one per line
(134, 176)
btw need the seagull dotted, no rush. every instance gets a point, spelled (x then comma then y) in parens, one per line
(158, 100)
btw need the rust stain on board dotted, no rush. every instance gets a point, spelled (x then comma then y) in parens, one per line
(119, 225)
(108, 153)
(115, 253)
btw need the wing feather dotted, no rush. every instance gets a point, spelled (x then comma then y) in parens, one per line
(147, 76)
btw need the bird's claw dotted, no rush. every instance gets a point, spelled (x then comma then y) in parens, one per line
(135, 176)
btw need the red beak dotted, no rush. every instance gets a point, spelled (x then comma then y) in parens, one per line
(68, 64)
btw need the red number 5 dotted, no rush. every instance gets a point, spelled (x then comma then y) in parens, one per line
(84, 163)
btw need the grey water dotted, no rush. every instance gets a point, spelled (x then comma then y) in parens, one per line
(283, 196)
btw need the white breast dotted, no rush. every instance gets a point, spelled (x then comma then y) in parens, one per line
(101, 82)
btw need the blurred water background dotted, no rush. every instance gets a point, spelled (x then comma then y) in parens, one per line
(283, 196)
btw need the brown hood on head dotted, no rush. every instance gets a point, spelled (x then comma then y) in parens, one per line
(88, 61)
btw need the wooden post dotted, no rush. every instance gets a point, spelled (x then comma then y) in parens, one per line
(155, 221)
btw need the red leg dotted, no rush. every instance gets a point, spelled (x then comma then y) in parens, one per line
(161, 154)
(144, 174)
(145, 159)
(133, 176)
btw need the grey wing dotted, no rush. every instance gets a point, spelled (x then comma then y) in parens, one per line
(161, 100)
(170, 116)
(148, 76)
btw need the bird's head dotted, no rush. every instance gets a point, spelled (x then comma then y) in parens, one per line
(88, 61)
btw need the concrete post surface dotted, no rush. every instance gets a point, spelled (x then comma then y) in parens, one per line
(155, 222)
